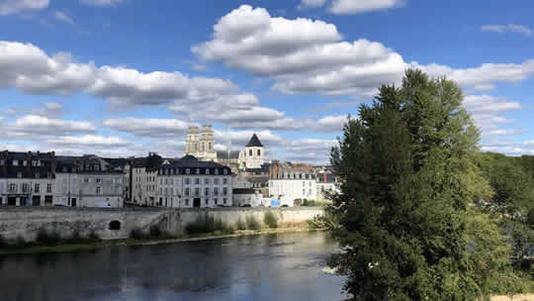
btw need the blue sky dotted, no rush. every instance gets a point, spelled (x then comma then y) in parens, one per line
(124, 77)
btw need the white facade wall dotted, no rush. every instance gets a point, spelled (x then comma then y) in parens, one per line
(187, 191)
(144, 186)
(89, 189)
(288, 190)
(27, 191)
(252, 199)
(251, 157)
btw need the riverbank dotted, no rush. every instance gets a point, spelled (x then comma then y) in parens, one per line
(164, 239)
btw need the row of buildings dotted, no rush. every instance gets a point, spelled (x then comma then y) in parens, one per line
(203, 177)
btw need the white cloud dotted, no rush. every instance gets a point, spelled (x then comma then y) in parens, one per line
(30, 126)
(511, 28)
(149, 127)
(101, 2)
(302, 55)
(47, 109)
(62, 16)
(346, 7)
(312, 3)
(9, 7)
(483, 77)
(487, 112)
(89, 141)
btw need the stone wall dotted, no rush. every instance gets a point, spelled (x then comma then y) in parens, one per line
(16, 223)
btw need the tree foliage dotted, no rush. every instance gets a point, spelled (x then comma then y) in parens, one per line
(408, 174)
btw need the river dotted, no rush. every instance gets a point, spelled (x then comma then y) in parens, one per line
(264, 267)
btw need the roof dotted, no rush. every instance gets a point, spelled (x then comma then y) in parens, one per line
(225, 155)
(254, 141)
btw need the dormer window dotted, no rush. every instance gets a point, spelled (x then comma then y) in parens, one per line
(187, 171)
(197, 171)
(207, 171)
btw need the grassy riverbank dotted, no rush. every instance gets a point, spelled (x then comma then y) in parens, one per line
(162, 238)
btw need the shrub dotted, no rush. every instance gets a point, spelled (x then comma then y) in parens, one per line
(155, 231)
(252, 223)
(137, 233)
(48, 238)
(270, 220)
(207, 224)
(240, 225)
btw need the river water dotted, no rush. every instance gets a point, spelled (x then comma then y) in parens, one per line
(265, 267)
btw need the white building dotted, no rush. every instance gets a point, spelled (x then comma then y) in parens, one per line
(290, 182)
(142, 178)
(189, 182)
(88, 181)
(252, 157)
(27, 178)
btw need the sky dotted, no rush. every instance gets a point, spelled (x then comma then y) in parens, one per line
(127, 77)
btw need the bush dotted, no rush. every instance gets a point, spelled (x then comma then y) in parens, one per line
(270, 220)
(252, 223)
(240, 225)
(137, 233)
(48, 238)
(155, 231)
(207, 224)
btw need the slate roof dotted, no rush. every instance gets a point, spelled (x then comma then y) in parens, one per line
(224, 155)
(254, 141)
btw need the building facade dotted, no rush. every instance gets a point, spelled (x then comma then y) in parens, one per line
(191, 183)
(291, 183)
(199, 143)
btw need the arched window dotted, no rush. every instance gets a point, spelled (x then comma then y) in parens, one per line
(114, 225)
(259, 152)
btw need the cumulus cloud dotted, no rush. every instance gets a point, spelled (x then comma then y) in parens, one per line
(90, 141)
(508, 28)
(10, 7)
(34, 125)
(483, 77)
(488, 113)
(312, 3)
(302, 55)
(149, 127)
(101, 2)
(345, 7)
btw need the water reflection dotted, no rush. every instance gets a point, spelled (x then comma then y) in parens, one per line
(273, 267)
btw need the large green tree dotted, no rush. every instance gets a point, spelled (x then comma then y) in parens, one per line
(403, 216)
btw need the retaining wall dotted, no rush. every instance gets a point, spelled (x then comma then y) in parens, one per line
(17, 223)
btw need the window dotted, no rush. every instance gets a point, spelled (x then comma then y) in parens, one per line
(216, 201)
(15, 162)
(187, 171)
(2, 162)
(197, 171)
(86, 180)
(207, 171)
(216, 171)
(98, 190)
(216, 181)
(187, 181)
(187, 191)
(215, 191)
(206, 181)
(206, 191)
(25, 187)
(225, 181)
(259, 152)
(36, 188)
(225, 171)
(250, 153)
(19, 175)
(225, 191)
(197, 191)
(98, 180)
(48, 188)
(12, 187)
(187, 202)
(224, 201)
(24, 163)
